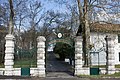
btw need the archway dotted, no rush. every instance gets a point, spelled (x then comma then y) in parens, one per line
(60, 58)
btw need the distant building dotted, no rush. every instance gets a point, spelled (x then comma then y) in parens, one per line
(97, 40)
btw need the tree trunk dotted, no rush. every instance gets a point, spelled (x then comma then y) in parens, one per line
(86, 35)
(11, 26)
(83, 18)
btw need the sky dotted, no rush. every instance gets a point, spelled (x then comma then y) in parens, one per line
(48, 5)
(51, 5)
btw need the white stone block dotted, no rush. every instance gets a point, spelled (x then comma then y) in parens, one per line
(41, 72)
(111, 52)
(78, 46)
(86, 71)
(111, 67)
(17, 72)
(78, 62)
(41, 45)
(41, 49)
(79, 55)
(34, 71)
(41, 56)
(82, 71)
(41, 67)
(41, 39)
(111, 62)
(8, 73)
(1, 72)
(78, 66)
(9, 57)
(39, 62)
(9, 44)
(12, 55)
(77, 52)
(9, 62)
(78, 42)
(102, 71)
(9, 52)
(8, 67)
(111, 71)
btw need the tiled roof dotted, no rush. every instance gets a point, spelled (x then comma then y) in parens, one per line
(97, 27)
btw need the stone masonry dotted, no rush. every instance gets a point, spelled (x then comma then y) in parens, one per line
(41, 56)
(111, 56)
(9, 55)
(78, 55)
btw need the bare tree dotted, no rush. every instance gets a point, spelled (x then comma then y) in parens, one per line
(83, 17)
(35, 9)
(11, 26)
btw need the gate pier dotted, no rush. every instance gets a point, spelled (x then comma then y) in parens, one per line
(41, 56)
(9, 55)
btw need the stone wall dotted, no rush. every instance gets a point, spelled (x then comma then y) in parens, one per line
(79, 69)
(41, 56)
(110, 55)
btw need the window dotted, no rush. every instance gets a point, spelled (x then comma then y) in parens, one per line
(118, 38)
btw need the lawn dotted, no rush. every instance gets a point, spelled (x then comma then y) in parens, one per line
(117, 66)
(100, 66)
(23, 63)
(101, 76)
(1, 65)
(103, 66)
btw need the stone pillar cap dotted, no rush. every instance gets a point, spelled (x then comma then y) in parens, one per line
(41, 38)
(9, 37)
(78, 38)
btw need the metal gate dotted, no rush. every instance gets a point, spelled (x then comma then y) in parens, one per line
(26, 50)
(25, 58)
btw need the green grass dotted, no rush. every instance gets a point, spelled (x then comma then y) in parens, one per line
(114, 75)
(90, 76)
(2, 65)
(22, 63)
(103, 66)
(101, 76)
(25, 63)
(117, 66)
(100, 66)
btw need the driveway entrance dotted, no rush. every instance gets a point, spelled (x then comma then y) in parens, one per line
(57, 68)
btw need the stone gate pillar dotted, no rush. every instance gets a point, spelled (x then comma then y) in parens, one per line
(41, 56)
(9, 55)
(111, 55)
(78, 55)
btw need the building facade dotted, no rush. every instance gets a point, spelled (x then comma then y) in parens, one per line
(98, 43)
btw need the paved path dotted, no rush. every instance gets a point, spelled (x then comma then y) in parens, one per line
(57, 68)
(52, 78)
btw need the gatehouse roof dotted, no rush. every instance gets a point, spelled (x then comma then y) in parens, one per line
(109, 28)
(102, 27)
